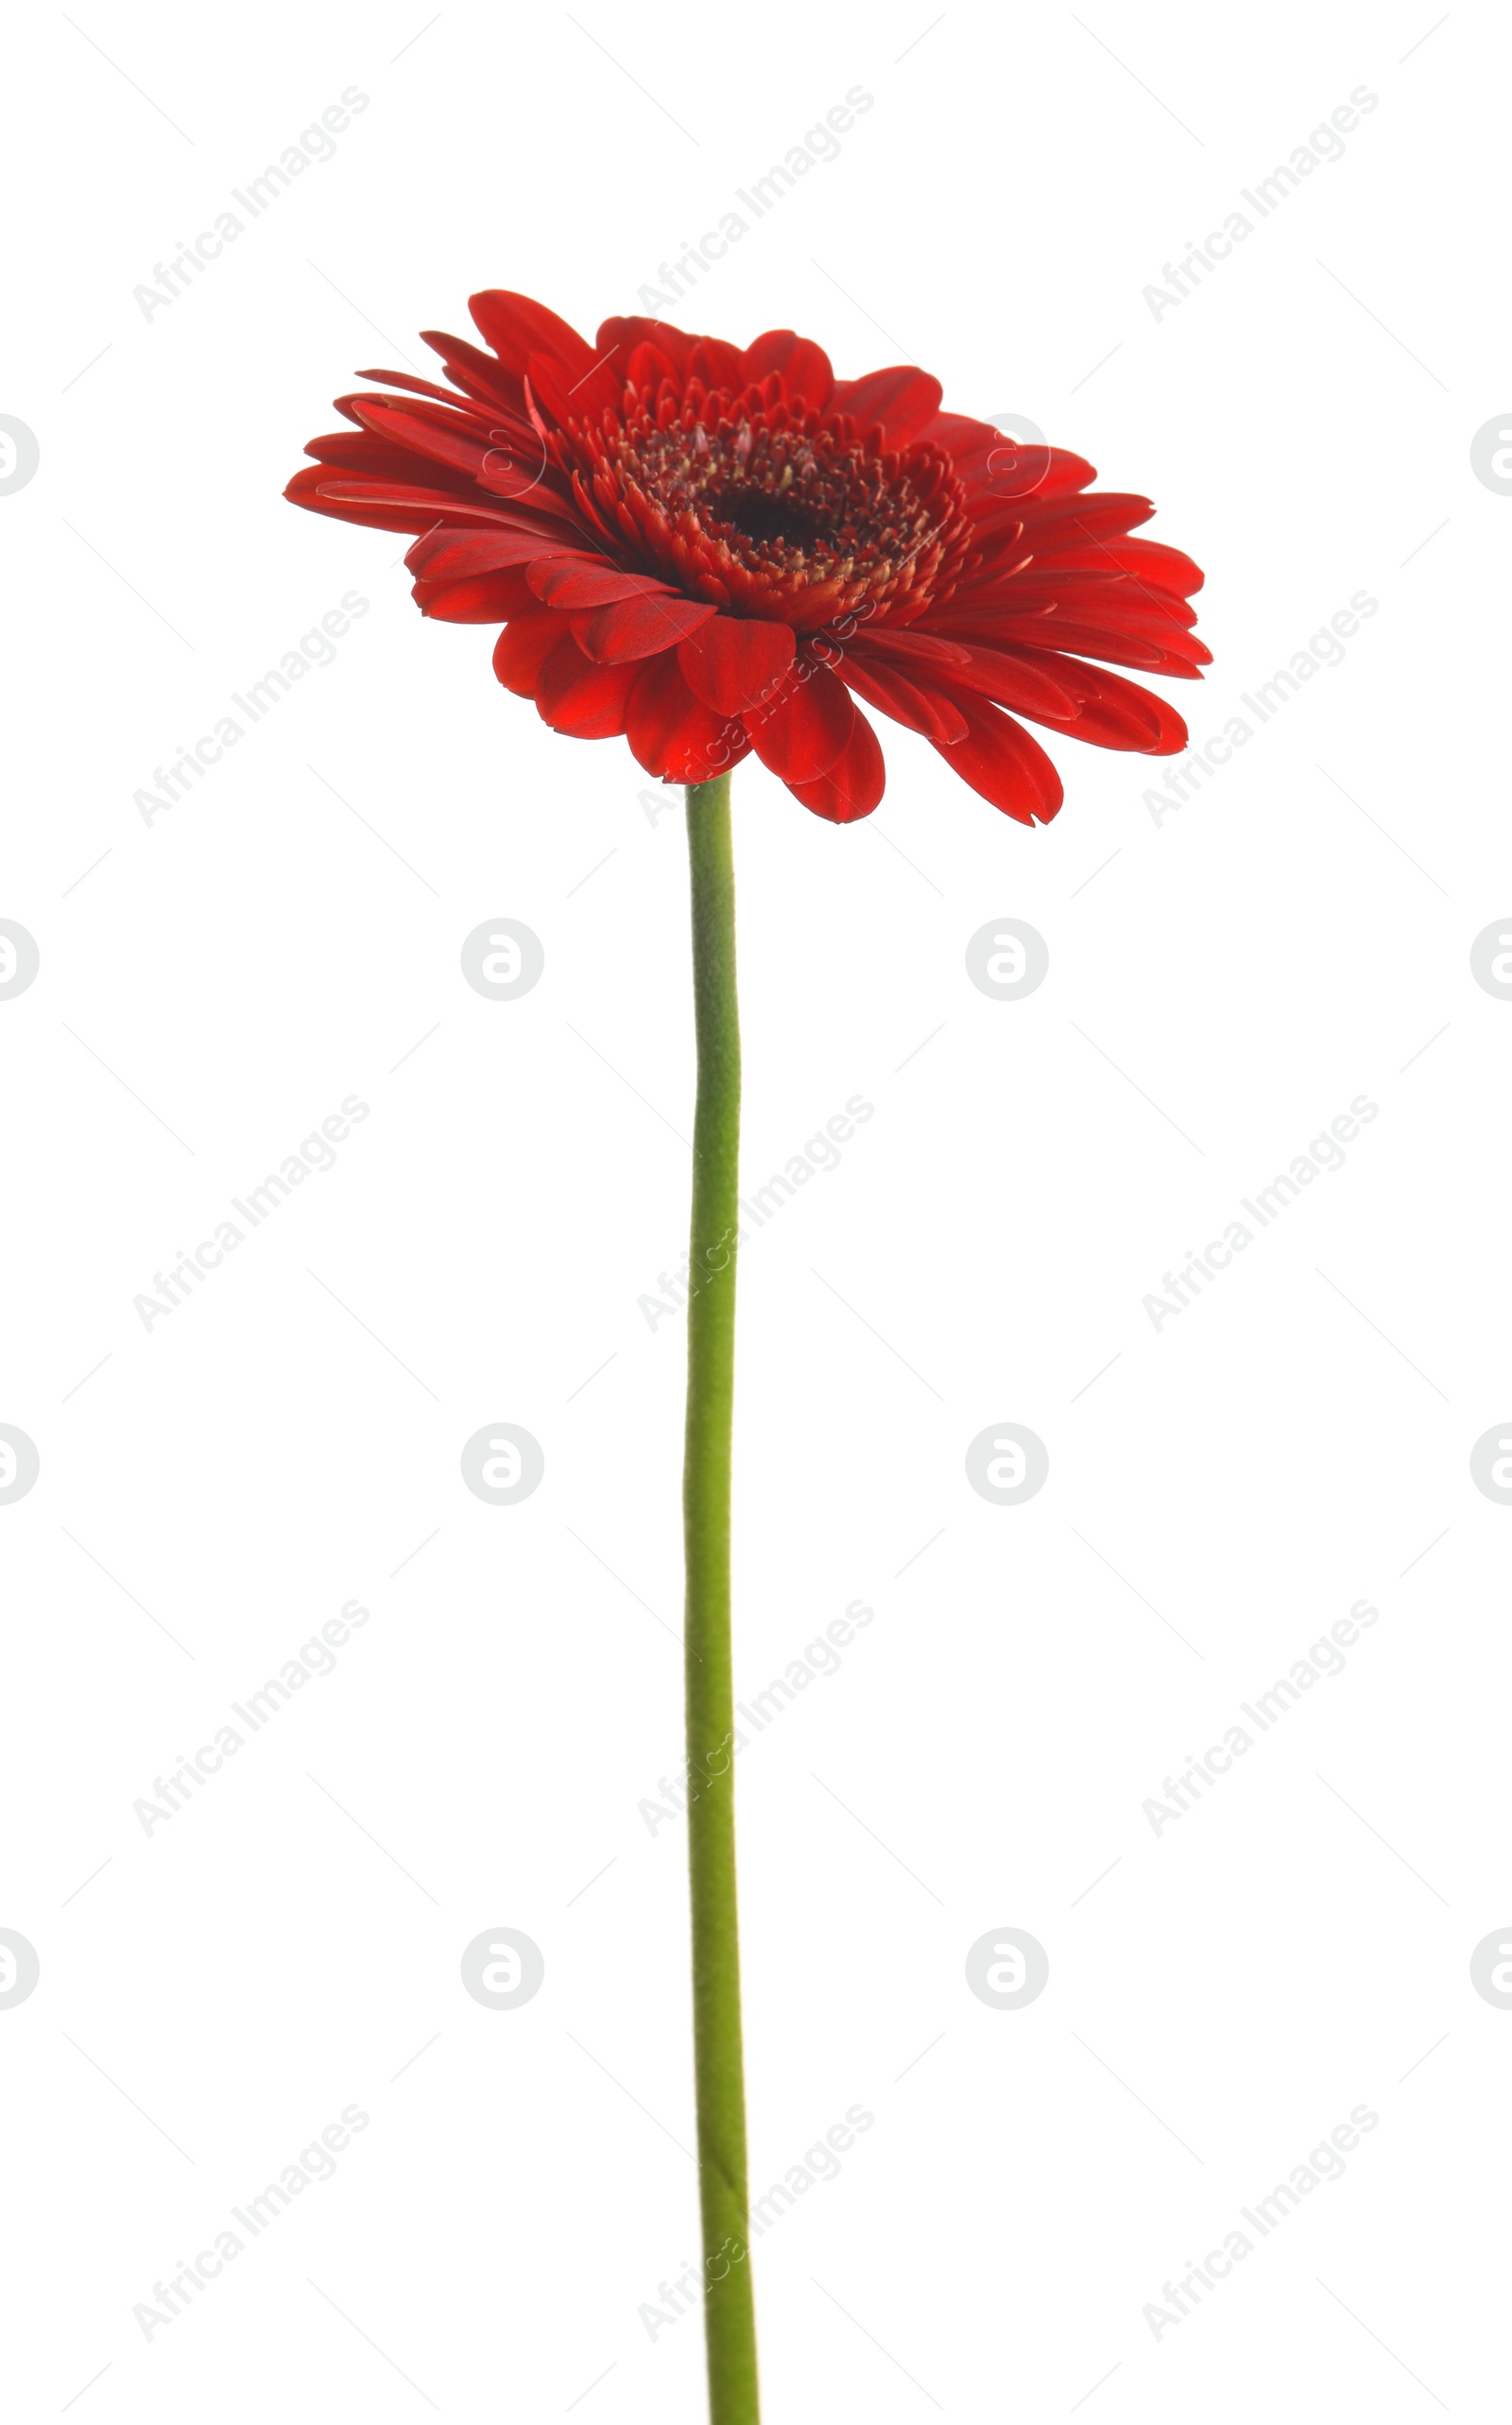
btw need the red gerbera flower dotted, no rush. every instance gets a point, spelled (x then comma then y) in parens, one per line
(713, 549)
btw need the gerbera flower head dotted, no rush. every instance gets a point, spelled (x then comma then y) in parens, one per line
(716, 549)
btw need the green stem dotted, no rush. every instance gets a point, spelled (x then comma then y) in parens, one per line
(729, 2316)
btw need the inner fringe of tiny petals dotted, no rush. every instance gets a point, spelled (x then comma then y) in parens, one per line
(785, 501)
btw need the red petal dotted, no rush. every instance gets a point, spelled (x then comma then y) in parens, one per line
(1174, 652)
(1115, 714)
(979, 455)
(448, 554)
(805, 368)
(416, 386)
(479, 375)
(853, 785)
(1024, 679)
(368, 457)
(1104, 595)
(716, 364)
(733, 664)
(1151, 651)
(999, 760)
(923, 711)
(1110, 693)
(1163, 569)
(646, 368)
(642, 627)
(1018, 471)
(619, 336)
(1108, 726)
(674, 735)
(571, 394)
(435, 435)
(800, 733)
(375, 506)
(497, 450)
(516, 326)
(523, 648)
(487, 598)
(903, 400)
(494, 552)
(1107, 514)
(422, 508)
(587, 701)
(589, 581)
(926, 647)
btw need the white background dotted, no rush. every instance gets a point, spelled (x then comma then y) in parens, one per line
(1221, 984)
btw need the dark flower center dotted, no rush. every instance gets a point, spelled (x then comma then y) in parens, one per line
(769, 509)
(771, 513)
(785, 501)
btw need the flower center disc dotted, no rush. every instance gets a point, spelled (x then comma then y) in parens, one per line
(777, 514)
(805, 508)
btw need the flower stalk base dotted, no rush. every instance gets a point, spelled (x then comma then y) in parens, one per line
(730, 2317)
